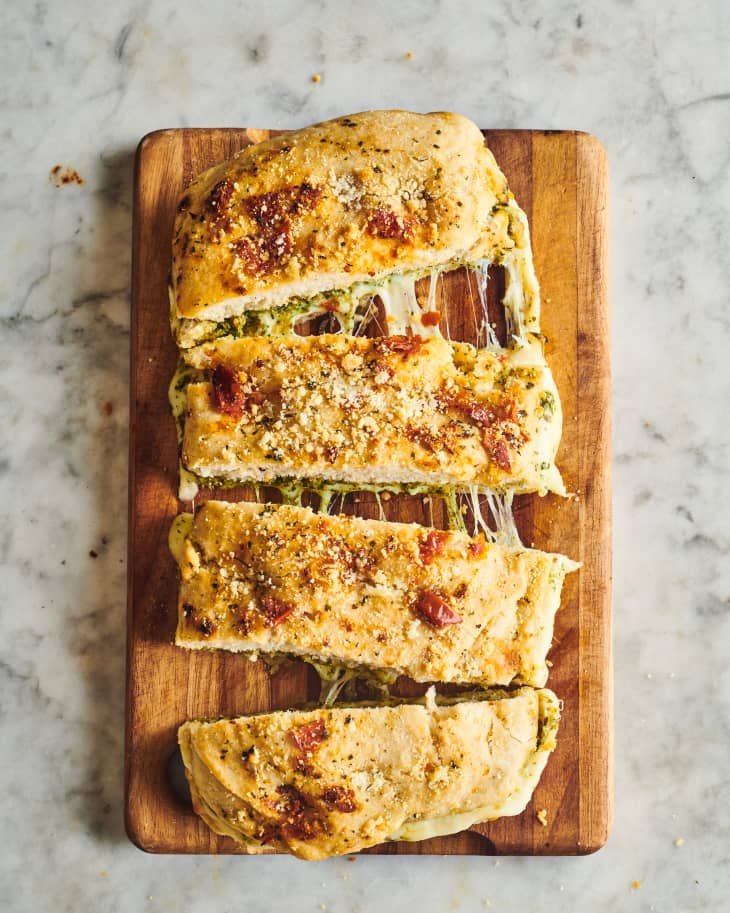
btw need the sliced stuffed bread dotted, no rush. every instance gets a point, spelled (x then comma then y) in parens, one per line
(319, 218)
(318, 783)
(397, 409)
(365, 594)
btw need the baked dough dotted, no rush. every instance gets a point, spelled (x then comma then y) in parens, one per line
(398, 409)
(355, 199)
(318, 783)
(396, 597)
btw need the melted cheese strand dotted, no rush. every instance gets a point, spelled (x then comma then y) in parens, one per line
(331, 686)
(188, 487)
(485, 330)
(500, 506)
(367, 316)
(479, 521)
(402, 310)
(432, 288)
(428, 500)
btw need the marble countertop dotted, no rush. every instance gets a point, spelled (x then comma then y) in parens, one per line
(78, 89)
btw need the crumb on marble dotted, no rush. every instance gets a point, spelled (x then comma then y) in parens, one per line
(317, 78)
(409, 55)
(679, 841)
(93, 553)
(60, 175)
(541, 815)
(635, 885)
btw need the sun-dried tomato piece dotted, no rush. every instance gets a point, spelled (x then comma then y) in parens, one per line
(309, 736)
(276, 610)
(299, 819)
(431, 318)
(384, 223)
(434, 610)
(477, 547)
(228, 393)
(498, 422)
(219, 199)
(497, 450)
(432, 545)
(274, 213)
(341, 798)
(403, 345)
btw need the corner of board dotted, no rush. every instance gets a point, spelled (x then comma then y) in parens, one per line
(155, 138)
(590, 143)
(140, 833)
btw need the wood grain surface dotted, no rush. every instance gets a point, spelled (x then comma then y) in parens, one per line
(560, 179)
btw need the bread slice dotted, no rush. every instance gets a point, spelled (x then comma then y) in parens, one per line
(339, 206)
(318, 783)
(398, 409)
(344, 591)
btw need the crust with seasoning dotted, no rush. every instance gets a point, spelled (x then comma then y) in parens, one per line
(318, 783)
(390, 410)
(353, 199)
(432, 605)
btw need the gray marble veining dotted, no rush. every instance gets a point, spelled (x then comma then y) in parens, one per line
(79, 87)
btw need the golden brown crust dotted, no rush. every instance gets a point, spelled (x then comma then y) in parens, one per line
(324, 782)
(433, 605)
(395, 409)
(355, 198)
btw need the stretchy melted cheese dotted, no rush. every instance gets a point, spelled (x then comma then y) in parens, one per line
(353, 200)
(391, 410)
(320, 783)
(432, 605)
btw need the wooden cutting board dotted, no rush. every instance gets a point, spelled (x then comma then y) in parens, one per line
(560, 180)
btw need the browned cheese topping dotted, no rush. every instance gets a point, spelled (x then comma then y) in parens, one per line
(434, 605)
(395, 409)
